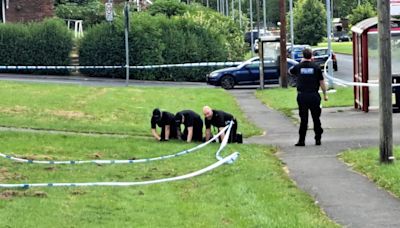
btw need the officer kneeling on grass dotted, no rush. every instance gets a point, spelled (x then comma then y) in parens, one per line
(220, 119)
(309, 79)
(193, 126)
(166, 121)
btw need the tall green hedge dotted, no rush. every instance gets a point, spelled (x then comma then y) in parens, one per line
(153, 40)
(39, 44)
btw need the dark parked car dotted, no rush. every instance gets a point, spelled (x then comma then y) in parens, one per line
(341, 37)
(320, 55)
(297, 51)
(248, 73)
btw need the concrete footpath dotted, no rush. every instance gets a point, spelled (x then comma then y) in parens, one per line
(347, 197)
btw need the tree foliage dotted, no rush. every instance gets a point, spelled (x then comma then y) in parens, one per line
(168, 7)
(309, 22)
(362, 12)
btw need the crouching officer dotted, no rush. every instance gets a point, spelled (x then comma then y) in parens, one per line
(166, 121)
(309, 79)
(219, 119)
(193, 126)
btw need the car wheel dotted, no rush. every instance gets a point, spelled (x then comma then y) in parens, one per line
(227, 82)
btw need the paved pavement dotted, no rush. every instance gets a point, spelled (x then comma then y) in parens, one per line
(348, 198)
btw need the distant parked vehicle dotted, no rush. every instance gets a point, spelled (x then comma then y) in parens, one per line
(297, 51)
(341, 37)
(247, 35)
(321, 55)
(248, 73)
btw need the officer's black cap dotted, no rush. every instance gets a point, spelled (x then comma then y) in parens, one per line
(156, 114)
(178, 118)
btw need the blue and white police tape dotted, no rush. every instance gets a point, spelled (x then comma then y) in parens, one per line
(227, 128)
(227, 159)
(224, 141)
(341, 82)
(202, 64)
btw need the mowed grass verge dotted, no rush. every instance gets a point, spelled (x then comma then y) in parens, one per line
(284, 100)
(366, 161)
(115, 110)
(252, 192)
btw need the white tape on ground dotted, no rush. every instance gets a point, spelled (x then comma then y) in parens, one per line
(229, 158)
(73, 162)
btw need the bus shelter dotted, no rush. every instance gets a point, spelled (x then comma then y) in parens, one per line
(366, 62)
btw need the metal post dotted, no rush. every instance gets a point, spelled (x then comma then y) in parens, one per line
(258, 18)
(251, 28)
(261, 66)
(385, 83)
(227, 7)
(264, 15)
(291, 28)
(240, 14)
(283, 61)
(329, 36)
(218, 6)
(233, 12)
(126, 12)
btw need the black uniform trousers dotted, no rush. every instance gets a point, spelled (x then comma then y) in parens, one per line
(309, 101)
(197, 132)
(172, 132)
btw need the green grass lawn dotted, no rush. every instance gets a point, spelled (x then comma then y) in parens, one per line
(105, 109)
(284, 100)
(340, 47)
(255, 191)
(367, 162)
(252, 192)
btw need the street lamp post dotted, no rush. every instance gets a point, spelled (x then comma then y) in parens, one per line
(328, 30)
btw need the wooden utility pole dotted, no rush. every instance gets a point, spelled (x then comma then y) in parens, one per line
(283, 61)
(385, 83)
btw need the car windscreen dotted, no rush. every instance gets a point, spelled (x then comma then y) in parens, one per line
(320, 52)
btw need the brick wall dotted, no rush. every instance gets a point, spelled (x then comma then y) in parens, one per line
(29, 10)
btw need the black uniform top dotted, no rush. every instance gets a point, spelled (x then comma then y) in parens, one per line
(219, 119)
(308, 76)
(190, 118)
(167, 118)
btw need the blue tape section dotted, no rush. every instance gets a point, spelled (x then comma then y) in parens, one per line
(50, 185)
(8, 156)
(30, 161)
(72, 162)
(25, 185)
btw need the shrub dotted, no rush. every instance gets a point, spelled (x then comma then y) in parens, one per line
(40, 44)
(153, 40)
(92, 12)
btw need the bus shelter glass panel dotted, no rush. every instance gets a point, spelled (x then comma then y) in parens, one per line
(373, 69)
(373, 63)
(271, 51)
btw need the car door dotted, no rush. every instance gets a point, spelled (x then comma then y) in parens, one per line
(271, 71)
(253, 73)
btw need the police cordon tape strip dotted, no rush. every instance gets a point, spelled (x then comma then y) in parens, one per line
(347, 83)
(229, 159)
(202, 64)
(224, 141)
(226, 128)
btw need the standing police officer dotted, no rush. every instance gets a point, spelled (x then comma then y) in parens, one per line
(219, 119)
(193, 125)
(309, 79)
(166, 121)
